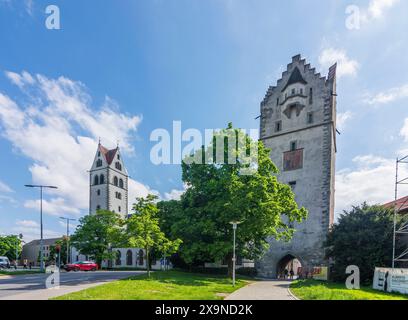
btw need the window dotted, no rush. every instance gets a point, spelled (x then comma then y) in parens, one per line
(96, 180)
(301, 91)
(99, 153)
(277, 102)
(118, 157)
(118, 261)
(129, 258)
(119, 209)
(99, 163)
(278, 126)
(292, 184)
(293, 92)
(98, 192)
(102, 179)
(121, 183)
(118, 195)
(115, 181)
(310, 95)
(98, 207)
(310, 118)
(140, 257)
(293, 146)
(118, 166)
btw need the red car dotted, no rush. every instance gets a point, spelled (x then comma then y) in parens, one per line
(81, 266)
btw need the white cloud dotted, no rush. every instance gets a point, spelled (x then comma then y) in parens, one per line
(173, 194)
(372, 181)
(58, 131)
(404, 131)
(5, 188)
(345, 65)
(388, 96)
(54, 207)
(377, 8)
(343, 118)
(31, 230)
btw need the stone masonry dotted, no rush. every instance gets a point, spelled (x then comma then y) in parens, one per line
(298, 123)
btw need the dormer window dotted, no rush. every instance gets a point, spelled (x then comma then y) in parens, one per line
(293, 92)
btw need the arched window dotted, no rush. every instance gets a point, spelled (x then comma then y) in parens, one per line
(140, 257)
(118, 261)
(118, 165)
(129, 258)
(99, 163)
(121, 185)
(115, 181)
(102, 179)
(96, 180)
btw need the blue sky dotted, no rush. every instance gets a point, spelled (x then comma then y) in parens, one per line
(120, 69)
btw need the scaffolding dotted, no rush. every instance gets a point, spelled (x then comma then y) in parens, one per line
(402, 230)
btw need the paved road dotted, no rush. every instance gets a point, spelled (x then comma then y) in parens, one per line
(32, 287)
(263, 290)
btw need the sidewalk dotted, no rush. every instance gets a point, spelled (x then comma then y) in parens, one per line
(264, 290)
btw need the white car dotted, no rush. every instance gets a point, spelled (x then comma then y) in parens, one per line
(4, 263)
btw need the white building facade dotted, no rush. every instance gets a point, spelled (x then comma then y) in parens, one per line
(108, 190)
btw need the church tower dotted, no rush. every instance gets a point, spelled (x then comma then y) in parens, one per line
(298, 123)
(108, 182)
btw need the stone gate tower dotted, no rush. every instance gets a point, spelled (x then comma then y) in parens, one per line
(298, 123)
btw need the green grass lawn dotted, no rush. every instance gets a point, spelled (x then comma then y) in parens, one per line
(318, 290)
(169, 285)
(14, 273)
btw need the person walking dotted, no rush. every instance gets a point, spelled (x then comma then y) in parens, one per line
(292, 273)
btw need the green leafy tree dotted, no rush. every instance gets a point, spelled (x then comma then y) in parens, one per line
(219, 192)
(143, 230)
(96, 234)
(8, 246)
(63, 251)
(363, 237)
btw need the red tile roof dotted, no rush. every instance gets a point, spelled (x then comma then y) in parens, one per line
(108, 154)
(401, 204)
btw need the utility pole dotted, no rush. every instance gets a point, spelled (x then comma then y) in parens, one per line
(41, 187)
(67, 220)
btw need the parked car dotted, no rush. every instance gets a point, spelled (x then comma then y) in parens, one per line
(4, 263)
(81, 266)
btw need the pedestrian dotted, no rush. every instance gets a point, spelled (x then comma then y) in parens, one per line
(25, 263)
(292, 273)
(30, 265)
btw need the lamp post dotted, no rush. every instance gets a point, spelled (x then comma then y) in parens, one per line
(67, 220)
(41, 187)
(234, 227)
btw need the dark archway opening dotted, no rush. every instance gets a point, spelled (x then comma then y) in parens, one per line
(289, 268)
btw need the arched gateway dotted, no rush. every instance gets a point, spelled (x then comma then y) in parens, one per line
(298, 123)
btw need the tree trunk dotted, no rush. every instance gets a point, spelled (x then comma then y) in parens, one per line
(147, 262)
(230, 264)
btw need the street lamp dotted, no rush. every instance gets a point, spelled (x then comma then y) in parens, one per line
(67, 220)
(234, 227)
(41, 220)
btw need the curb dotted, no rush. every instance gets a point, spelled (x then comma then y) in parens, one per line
(292, 295)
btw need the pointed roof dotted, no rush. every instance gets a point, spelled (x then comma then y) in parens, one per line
(108, 154)
(295, 77)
